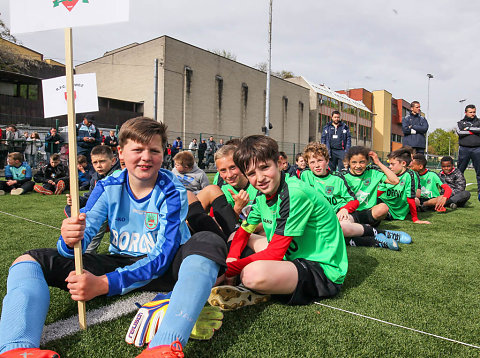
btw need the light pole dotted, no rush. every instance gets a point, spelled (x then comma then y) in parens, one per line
(429, 76)
(269, 69)
(461, 105)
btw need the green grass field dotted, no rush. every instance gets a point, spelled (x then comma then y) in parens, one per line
(432, 285)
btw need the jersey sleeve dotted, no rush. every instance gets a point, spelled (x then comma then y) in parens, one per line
(295, 210)
(254, 217)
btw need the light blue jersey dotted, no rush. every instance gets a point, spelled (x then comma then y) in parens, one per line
(18, 173)
(154, 226)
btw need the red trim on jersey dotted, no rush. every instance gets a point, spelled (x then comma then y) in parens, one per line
(351, 206)
(413, 209)
(239, 242)
(379, 192)
(275, 251)
(448, 191)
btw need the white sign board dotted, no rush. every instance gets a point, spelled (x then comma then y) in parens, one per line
(55, 95)
(39, 15)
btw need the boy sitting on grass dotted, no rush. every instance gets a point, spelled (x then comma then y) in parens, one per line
(456, 181)
(53, 176)
(400, 198)
(150, 245)
(18, 175)
(431, 185)
(190, 175)
(85, 172)
(304, 256)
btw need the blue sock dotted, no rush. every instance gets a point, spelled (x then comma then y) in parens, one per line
(196, 277)
(25, 307)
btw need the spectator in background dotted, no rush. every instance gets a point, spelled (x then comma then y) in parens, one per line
(112, 141)
(210, 152)
(64, 152)
(102, 137)
(415, 128)
(14, 140)
(53, 142)
(167, 157)
(33, 145)
(88, 136)
(336, 137)
(220, 144)
(190, 175)
(202, 147)
(85, 172)
(3, 147)
(177, 146)
(193, 147)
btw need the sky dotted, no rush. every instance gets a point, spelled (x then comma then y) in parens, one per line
(372, 44)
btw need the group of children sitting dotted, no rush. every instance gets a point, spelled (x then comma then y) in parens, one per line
(259, 230)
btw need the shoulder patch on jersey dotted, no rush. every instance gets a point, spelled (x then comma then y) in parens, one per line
(329, 190)
(151, 220)
(366, 181)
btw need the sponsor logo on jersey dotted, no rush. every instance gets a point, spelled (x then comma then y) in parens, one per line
(134, 241)
(402, 182)
(329, 190)
(429, 181)
(151, 220)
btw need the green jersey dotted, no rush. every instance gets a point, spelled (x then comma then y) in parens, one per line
(365, 186)
(250, 189)
(333, 186)
(431, 184)
(395, 196)
(299, 211)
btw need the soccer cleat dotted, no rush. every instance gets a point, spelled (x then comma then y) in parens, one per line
(441, 210)
(40, 189)
(385, 242)
(453, 206)
(18, 191)
(233, 297)
(60, 187)
(208, 322)
(2, 192)
(29, 353)
(399, 236)
(174, 350)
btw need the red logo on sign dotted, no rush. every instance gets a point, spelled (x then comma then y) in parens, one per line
(70, 4)
(74, 95)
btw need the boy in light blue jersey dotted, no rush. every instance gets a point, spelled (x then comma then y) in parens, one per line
(18, 175)
(150, 249)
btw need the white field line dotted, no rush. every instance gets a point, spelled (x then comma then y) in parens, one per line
(397, 325)
(69, 326)
(470, 184)
(32, 221)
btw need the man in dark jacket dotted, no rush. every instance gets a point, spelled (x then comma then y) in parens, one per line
(202, 147)
(469, 142)
(336, 136)
(53, 142)
(415, 128)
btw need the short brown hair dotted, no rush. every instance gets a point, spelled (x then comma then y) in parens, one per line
(255, 149)
(227, 149)
(55, 157)
(315, 149)
(16, 156)
(185, 158)
(402, 154)
(102, 150)
(81, 159)
(420, 159)
(142, 130)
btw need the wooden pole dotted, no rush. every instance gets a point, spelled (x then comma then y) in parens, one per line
(72, 159)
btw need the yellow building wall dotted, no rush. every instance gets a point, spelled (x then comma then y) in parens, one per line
(20, 50)
(382, 120)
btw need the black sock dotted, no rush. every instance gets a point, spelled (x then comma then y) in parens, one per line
(362, 241)
(224, 215)
(199, 220)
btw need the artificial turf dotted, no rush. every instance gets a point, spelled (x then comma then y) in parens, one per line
(431, 285)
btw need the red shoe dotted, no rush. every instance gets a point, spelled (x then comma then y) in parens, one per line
(174, 350)
(29, 353)
(40, 189)
(60, 187)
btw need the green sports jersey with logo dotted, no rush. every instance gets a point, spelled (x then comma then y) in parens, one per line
(333, 186)
(300, 211)
(250, 189)
(431, 184)
(395, 196)
(365, 186)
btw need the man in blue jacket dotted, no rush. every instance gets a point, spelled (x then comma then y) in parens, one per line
(88, 136)
(336, 136)
(415, 128)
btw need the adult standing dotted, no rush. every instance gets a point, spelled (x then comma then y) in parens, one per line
(88, 136)
(202, 147)
(210, 152)
(3, 147)
(177, 146)
(14, 140)
(53, 142)
(469, 142)
(33, 145)
(337, 138)
(193, 147)
(415, 128)
(112, 141)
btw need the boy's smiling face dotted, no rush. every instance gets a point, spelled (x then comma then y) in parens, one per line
(143, 161)
(265, 176)
(230, 172)
(447, 167)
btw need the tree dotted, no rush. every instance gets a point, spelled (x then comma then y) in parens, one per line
(263, 66)
(441, 142)
(5, 33)
(225, 53)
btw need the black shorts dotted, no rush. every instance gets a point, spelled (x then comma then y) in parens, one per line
(312, 284)
(56, 268)
(365, 217)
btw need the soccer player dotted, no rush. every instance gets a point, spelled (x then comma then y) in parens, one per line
(305, 258)
(364, 180)
(400, 198)
(150, 245)
(431, 185)
(456, 181)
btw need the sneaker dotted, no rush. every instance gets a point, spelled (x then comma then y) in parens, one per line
(174, 350)
(29, 353)
(18, 191)
(233, 297)
(60, 187)
(453, 206)
(399, 236)
(2, 192)
(40, 189)
(441, 210)
(385, 242)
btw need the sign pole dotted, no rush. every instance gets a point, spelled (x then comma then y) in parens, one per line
(72, 160)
